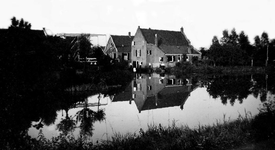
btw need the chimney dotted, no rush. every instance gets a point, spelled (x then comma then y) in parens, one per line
(156, 39)
(181, 30)
(129, 33)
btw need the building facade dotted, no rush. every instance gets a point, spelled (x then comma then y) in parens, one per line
(160, 48)
(119, 47)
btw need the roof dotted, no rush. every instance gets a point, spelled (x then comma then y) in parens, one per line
(35, 33)
(167, 49)
(122, 43)
(167, 97)
(165, 37)
(126, 95)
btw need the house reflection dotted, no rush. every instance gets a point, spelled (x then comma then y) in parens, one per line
(156, 91)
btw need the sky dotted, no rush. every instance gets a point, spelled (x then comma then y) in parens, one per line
(201, 19)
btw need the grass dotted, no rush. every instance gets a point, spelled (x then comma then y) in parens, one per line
(219, 136)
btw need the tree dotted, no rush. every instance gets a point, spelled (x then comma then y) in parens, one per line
(225, 37)
(246, 47)
(233, 37)
(215, 50)
(203, 52)
(84, 46)
(19, 24)
(265, 43)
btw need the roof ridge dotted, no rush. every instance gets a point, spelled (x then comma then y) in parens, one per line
(159, 30)
(122, 36)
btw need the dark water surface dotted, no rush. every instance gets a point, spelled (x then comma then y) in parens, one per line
(154, 99)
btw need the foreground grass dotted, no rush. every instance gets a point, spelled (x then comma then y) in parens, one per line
(219, 136)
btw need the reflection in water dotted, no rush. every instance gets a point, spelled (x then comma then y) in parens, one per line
(87, 117)
(67, 124)
(155, 91)
(148, 99)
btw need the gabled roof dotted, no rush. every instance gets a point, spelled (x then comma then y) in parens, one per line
(167, 97)
(122, 43)
(165, 37)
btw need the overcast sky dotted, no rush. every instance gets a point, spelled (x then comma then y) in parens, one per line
(201, 19)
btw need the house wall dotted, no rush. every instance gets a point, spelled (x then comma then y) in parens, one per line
(110, 49)
(153, 58)
(139, 45)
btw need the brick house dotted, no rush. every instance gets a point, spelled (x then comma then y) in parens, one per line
(161, 48)
(119, 47)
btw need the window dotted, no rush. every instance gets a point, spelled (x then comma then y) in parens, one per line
(149, 52)
(160, 81)
(138, 87)
(170, 81)
(134, 96)
(179, 58)
(138, 52)
(133, 43)
(161, 59)
(170, 58)
(149, 87)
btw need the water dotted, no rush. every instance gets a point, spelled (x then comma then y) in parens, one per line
(160, 99)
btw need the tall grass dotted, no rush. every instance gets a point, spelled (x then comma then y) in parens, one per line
(221, 135)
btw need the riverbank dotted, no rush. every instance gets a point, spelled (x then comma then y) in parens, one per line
(250, 132)
(186, 67)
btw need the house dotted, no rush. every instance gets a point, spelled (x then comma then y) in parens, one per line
(161, 48)
(119, 47)
(156, 91)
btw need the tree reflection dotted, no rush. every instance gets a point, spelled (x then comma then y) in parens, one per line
(232, 88)
(87, 117)
(67, 124)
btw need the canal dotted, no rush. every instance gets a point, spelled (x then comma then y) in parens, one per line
(153, 99)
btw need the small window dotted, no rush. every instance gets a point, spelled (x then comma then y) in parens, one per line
(149, 52)
(134, 96)
(179, 58)
(161, 59)
(138, 52)
(171, 81)
(133, 43)
(138, 87)
(170, 58)
(149, 87)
